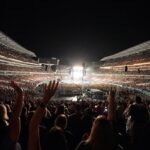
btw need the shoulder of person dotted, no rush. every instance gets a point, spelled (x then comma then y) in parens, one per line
(83, 145)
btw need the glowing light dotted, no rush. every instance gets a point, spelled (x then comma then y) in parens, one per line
(77, 72)
(74, 99)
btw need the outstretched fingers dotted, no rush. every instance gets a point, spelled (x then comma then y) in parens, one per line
(52, 87)
(16, 87)
(49, 85)
(50, 90)
(56, 85)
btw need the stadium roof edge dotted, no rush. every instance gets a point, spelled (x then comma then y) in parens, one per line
(8, 42)
(130, 51)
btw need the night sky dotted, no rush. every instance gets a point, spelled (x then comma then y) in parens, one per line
(75, 30)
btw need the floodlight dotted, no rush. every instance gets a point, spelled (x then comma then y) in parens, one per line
(77, 72)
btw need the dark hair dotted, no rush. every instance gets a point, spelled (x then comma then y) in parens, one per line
(101, 134)
(61, 121)
(138, 99)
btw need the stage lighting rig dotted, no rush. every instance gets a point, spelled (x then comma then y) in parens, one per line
(77, 73)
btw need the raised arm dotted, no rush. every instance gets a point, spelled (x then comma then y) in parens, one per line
(15, 123)
(34, 140)
(111, 106)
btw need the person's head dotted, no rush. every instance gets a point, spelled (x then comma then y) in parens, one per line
(78, 108)
(3, 112)
(138, 100)
(60, 109)
(101, 134)
(61, 121)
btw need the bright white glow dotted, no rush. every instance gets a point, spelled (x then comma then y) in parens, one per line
(77, 72)
(74, 99)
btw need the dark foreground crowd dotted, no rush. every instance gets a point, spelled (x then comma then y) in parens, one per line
(67, 125)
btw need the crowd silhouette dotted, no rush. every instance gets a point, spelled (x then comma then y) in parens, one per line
(33, 124)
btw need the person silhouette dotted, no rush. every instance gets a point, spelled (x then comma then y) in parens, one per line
(126, 68)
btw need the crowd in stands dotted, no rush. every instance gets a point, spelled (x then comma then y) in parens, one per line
(14, 61)
(5, 51)
(129, 60)
(20, 68)
(118, 65)
(35, 123)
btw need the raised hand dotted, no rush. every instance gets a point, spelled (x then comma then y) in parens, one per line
(20, 98)
(50, 90)
(33, 140)
(112, 93)
(16, 87)
(15, 123)
(111, 107)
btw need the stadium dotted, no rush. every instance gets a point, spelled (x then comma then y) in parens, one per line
(24, 66)
(127, 72)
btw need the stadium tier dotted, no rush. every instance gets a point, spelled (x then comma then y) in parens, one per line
(19, 64)
(11, 44)
(135, 50)
(136, 59)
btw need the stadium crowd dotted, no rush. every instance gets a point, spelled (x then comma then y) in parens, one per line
(21, 68)
(31, 122)
(11, 53)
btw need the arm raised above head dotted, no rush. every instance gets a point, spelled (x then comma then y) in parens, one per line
(34, 140)
(15, 123)
(111, 106)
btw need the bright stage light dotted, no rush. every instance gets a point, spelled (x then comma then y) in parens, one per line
(74, 99)
(77, 73)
